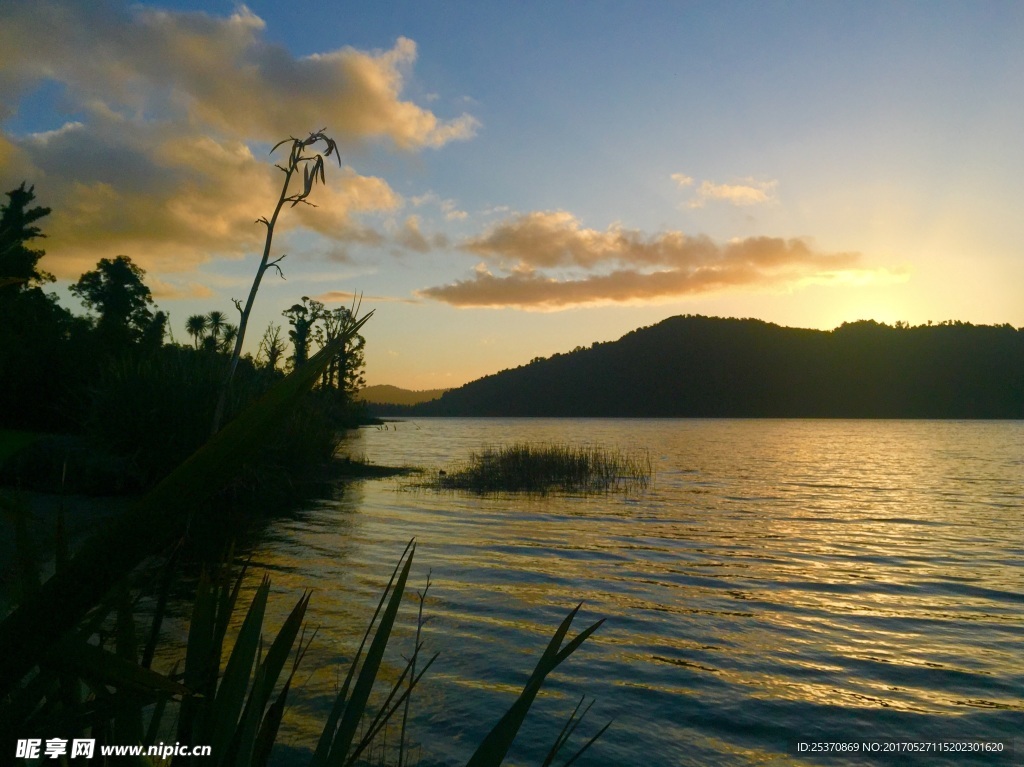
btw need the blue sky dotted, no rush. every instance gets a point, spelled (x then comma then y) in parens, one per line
(521, 179)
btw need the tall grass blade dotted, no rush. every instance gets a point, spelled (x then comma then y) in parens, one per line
(161, 609)
(494, 747)
(588, 744)
(266, 679)
(62, 550)
(231, 693)
(267, 734)
(388, 709)
(356, 706)
(156, 719)
(198, 652)
(567, 730)
(420, 622)
(225, 600)
(24, 546)
(323, 748)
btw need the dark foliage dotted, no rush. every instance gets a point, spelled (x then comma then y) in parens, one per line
(127, 407)
(709, 367)
(116, 292)
(302, 317)
(156, 408)
(17, 230)
(42, 357)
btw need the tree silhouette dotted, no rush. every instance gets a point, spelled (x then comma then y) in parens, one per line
(152, 336)
(217, 321)
(18, 262)
(230, 333)
(197, 325)
(345, 371)
(302, 317)
(272, 348)
(38, 364)
(115, 291)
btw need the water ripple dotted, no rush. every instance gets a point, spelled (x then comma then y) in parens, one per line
(780, 580)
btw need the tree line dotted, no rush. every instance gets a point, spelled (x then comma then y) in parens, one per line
(113, 368)
(695, 366)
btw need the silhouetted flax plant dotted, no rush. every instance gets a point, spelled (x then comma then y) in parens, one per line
(542, 468)
(303, 156)
(233, 698)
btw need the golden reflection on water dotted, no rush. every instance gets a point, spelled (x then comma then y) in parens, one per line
(807, 570)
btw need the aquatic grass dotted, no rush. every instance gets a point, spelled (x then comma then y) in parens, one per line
(542, 468)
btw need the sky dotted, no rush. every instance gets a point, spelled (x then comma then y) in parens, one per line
(518, 179)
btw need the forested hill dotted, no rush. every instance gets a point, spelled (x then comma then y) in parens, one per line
(385, 394)
(697, 366)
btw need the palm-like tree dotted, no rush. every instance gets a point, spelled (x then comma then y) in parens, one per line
(197, 325)
(217, 322)
(227, 341)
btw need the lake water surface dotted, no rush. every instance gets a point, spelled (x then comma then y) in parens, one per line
(780, 580)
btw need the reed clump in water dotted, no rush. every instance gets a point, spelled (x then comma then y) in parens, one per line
(542, 468)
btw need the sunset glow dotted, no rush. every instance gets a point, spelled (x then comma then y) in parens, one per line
(516, 181)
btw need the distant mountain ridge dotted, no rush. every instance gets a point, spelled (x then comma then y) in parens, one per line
(393, 395)
(695, 366)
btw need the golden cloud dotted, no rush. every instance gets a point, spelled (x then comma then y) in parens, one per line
(159, 165)
(217, 72)
(172, 200)
(167, 290)
(623, 265)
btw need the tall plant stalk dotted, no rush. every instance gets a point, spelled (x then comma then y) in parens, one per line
(301, 156)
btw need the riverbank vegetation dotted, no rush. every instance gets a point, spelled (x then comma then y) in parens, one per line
(74, 663)
(545, 468)
(115, 404)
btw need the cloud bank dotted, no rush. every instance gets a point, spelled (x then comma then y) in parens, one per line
(548, 260)
(157, 162)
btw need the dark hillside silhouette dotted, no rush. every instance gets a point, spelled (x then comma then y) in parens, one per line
(392, 395)
(696, 366)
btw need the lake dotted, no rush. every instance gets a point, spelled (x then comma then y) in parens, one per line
(780, 580)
